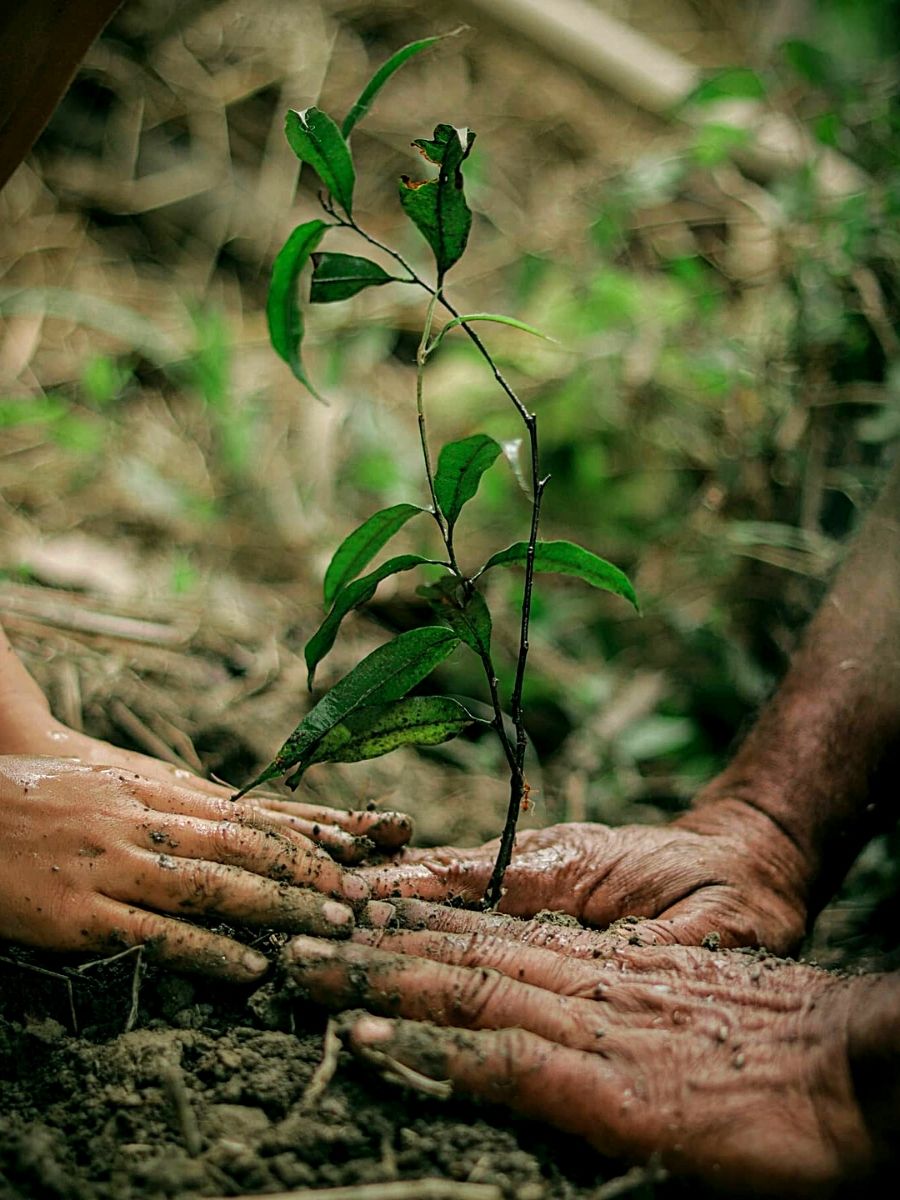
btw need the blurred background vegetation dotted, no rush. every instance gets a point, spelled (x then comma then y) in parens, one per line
(716, 413)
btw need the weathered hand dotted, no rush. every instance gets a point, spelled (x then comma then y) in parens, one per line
(734, 1068)
(723, 869)
(91, 856)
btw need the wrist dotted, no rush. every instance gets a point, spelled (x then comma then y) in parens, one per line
(27, 726)
(730, 811)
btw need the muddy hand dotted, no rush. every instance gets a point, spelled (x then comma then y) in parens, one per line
(724, 872)
(93, 857)
(734, 1068)
(348, 836)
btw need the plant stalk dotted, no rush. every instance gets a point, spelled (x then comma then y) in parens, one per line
(494, 891)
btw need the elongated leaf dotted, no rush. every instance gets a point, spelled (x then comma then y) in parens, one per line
(358, 548)
(383, 74)
(340, 276)
(565, 558)
(497, 318)
(469, 617)
(315, 139)
(348, 598)
(437, 207)
(386, 674)
(377, 729)
(282, 310)
(731, 84)
(459, 471)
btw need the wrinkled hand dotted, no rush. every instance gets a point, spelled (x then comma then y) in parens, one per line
(733, 1068)
(720, 870)
(93, 855)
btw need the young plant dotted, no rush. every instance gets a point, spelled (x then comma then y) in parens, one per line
(369, 711)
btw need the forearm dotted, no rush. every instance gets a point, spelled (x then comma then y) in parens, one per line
(820, 762)
(22, 703)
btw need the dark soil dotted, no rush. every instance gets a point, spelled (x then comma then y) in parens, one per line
(204, 1096)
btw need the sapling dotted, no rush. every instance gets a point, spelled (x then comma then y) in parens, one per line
(369, 711)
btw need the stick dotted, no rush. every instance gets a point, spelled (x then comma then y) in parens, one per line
(407, 1189)
(14, 962)
(82, 620)
(138, 952)
(397, 1072)
(172, 1079)
(324, 1072)
(623, 1184)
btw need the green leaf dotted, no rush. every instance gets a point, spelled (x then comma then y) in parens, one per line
(378, 729)
(386, 674)
(383, 74)
(809, 61)
(358, 548)
(316, 140)
(497, 318)
(283, 311)
(459, 471)
(340, 276)
(469, 618)
(437, 207)
(736, 83)
(565, 558)
(351, 597)
(716, 142)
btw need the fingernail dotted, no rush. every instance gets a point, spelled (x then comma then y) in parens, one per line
(254, 962)
(355, 887)
(380, 914)
(371, 1030)
(337, 914)
(307, 948)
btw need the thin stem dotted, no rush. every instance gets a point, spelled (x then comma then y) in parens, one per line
(491, 675)
(421, 358)
(494, 890)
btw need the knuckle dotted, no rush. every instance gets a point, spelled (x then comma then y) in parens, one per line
(206, 884)
(480, 997)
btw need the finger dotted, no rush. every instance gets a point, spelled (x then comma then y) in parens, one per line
(429, 880)
(557, 934)
(637, 989)
(184, 885)
(352, 976)
(578, 1093)
(543, 873)
(388, 829)
(342, 846)
(263, 851)
(323, 872)
(176, 943)
(541, 968)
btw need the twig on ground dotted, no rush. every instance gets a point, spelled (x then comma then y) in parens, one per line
(407, 1189)
(172, 1079)
(397, 1072)
(324, 1072)
(137, 951)
(15, 962)
(635, 1178)
(41, 611)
